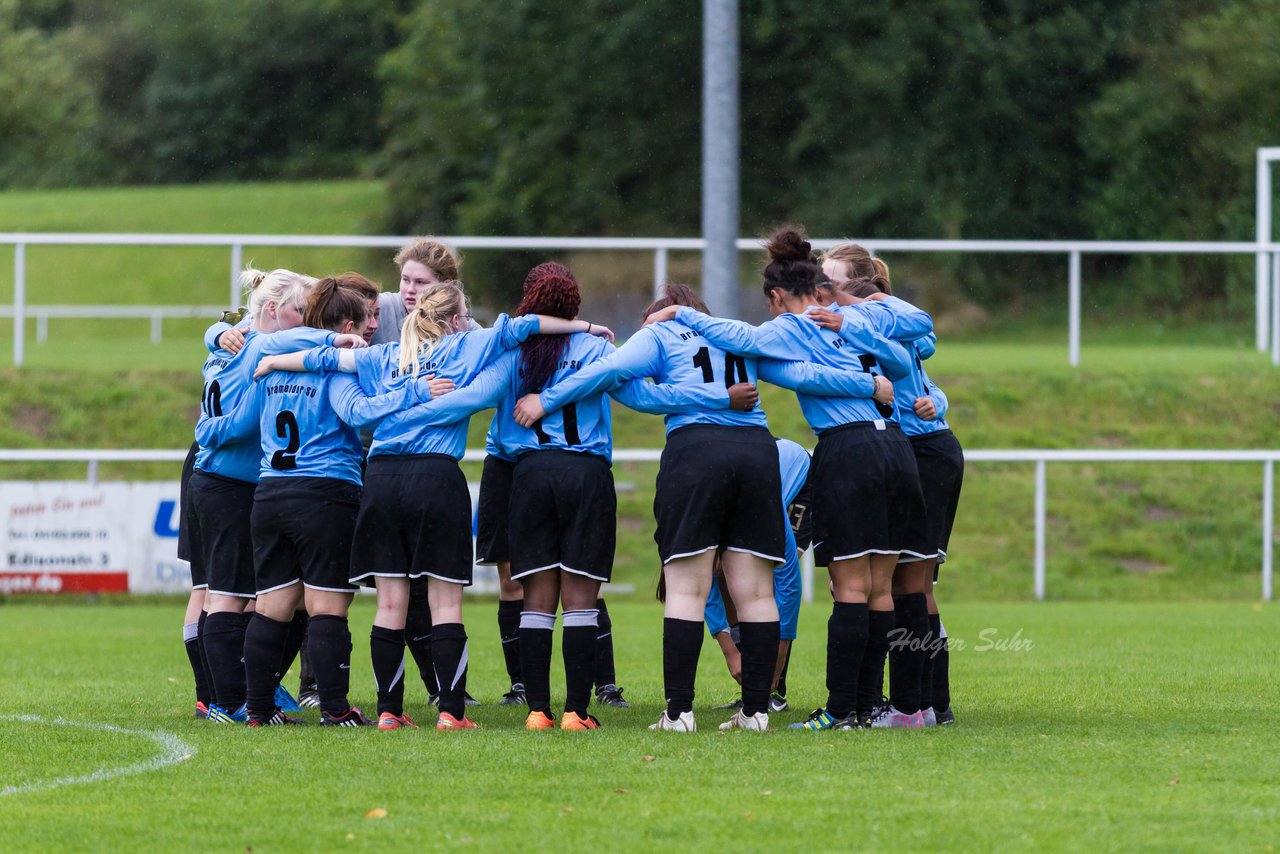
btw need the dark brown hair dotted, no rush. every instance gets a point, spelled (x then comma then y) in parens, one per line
(336, 299)
(865, 286)
(792, 265)
(674, 293)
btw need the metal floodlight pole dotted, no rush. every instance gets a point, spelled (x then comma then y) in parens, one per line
(720, 155)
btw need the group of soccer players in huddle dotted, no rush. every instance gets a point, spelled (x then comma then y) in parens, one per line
(287, 511)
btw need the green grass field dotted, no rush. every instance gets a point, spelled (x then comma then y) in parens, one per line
(1081, 727)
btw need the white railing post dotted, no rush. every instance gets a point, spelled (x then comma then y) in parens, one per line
(1073, 308)
(1262, 218)
(1040, 527)
(1275, 308)
(19, 303)
(659, 270)
(237, 261)
(42, 327)
(92, 474)
(155, 327)
(1268, 525)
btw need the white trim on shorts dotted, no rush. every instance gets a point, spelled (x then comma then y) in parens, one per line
(235, 595)
(778, 560)
(328, 589)
(278, 587)
(686, 554)
(867, 552)
(426, 574)
(200, 587)
(360, 578)
(558, 565)
(942, 556)
(915, 557)
(487, 562)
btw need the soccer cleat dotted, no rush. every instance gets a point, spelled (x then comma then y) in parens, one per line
(351, 717)
(777, 702)
(285, 701)
(891, 718)
(434, 699)
(469, 700)
(202, 711)
(448, 721)
(930, 717)
(572, 720)
(309, 699)
(946, 717)
(514, 697)
(733, 704)
(759, 722)
(822, 719)
(611, 695)
(539, 720)
(684, 723)
(219, 715)
(387, 720)
(277, 718)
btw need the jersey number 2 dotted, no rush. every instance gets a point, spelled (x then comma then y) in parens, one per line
(287, 429)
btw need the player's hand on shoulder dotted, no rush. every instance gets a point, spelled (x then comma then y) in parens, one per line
(266, 365)
(601, 332)
(529, 410)
(232, 340)
(438, 386)
(743, 396)
(668, 313)
(347, 341)
(826, 318)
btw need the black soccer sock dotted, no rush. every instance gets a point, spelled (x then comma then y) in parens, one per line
(535, 658)
(307, 673)
(847, 631)
(906, 658)
(926, 673)
(417, 635)
(871, 674)
(782, 677)
(204, 662)
(224, 649)
(578, 648)
(449, 653)
(941, 666)
(509, 634)
(329, 645)
(759, 658)
(386, 650)
(293, 643)
(604, 667)
(681, 646)
(264, 641)
(193, 643)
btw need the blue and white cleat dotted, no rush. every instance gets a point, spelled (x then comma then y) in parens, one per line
(285, 701)
(219, 715)
(822, 719)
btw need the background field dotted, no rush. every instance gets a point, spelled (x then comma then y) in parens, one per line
(1095, 727)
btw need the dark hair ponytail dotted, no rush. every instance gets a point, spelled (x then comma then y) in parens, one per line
(336, 299)
(552, 290)
(792, 265)
(677, 294)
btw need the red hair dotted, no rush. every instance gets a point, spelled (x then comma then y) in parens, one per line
(552, 290)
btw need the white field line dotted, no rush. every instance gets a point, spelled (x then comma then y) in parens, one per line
(173, 751)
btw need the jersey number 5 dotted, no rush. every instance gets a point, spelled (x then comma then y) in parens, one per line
(287, 429)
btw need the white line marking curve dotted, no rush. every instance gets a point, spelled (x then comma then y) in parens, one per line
(173, 751)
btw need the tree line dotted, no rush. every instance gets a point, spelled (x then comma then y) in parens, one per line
(1133, 119)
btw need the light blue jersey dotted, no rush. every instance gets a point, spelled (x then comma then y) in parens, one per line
(228, 380)
(678, 357)
(793, 461)
(584, 426)
(308, 423)
(793, 337)
(458, 357)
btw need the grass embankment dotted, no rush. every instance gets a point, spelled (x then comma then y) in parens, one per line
(1080, 727)
(1136, 531)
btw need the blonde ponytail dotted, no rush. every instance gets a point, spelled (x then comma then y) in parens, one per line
(428, 323)
(278, 286)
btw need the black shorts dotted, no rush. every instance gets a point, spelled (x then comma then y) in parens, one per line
(221, 537)
(564, 514)
(302, 529)
(493, 516)
(940, 460)
(866, 494)
(184, 508)
(415, 520)
(719, 488)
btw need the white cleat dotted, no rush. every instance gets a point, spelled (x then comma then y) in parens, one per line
(930, 717)
(891, 718)
(759, 722)
(684, 723)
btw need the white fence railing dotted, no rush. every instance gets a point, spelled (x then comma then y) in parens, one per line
(1266, 296)
(1040, 458)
